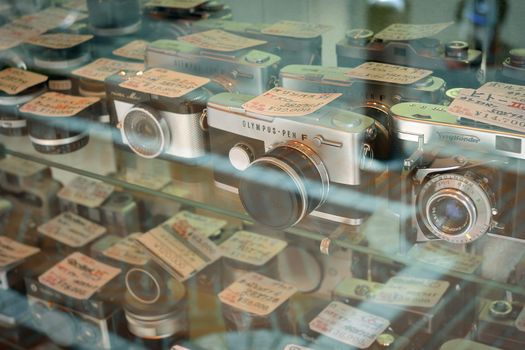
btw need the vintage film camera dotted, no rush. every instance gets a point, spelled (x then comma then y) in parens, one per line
(513, 68)
(458, 198)
(114, 17)
(245, 71)
(500, 323)
(157, 126)
(455, 62)
(371, 98)
(305, 171)
(90, 323)
(292, 50)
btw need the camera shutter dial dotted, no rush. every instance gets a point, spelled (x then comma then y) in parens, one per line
(241, 156)
(281, 188)
(145, 131)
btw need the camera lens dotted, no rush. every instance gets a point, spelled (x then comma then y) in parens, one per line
(143, 285)
(500, 308)
(451, 212)
(281, 188)
(146, 133)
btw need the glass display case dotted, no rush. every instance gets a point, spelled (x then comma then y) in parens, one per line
(262, 174)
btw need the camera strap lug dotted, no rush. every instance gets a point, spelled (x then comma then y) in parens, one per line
(203, 120)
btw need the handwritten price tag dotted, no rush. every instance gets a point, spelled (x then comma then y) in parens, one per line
(164, 82)
(511, 91)
(102, 68)
(128, 250)
(388, 73)
(135, 50)
(349, 325)
(438, 254)
(411, 291)
(252, 248)
(404, 31)
(78, 276)
(280, 102)
(185, 222)
(489, 108)
(59, 40)
(50, 18)
(257, 294)
(177, 4)
(219, 40)
(14, 34)
(20, 167)
(71, 229)
(295, 29)
(15, 80)
(154, 181)
(54, 104)
(12, 252)
(87, 192)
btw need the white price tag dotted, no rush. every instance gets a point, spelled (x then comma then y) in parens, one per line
(135, 50)
(164, 82)
(128, 250)
(356, 288)
(388, 73)
(301, 30)
(185, 222)
(511, 91)
(177, 189)
(15, 80)
(86, 192)
(438, 254)
(78, 276)
(251, 248)
(257, 294)
(281, 102)
(404, 31)
(21, 167)
(13, 252)
(14, 34)
(102, 68)
(154, 181)
(520, 321)
(72, 230)
(490, 108)
(219, 40)
(349, 325)
(176, 4)
(50, 18)
(54, 104)
(411, 291)
(59, 40)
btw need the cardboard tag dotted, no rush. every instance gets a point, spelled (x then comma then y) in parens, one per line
(489, 108)
(177, 189)
(349, 325)
(185, 222)
(257, 294)
(135, 50)
(411, 291)
(405, 31)
(281, 102)
(14, 34)
(164, 82)
(20, 167)
(59, 40)
(438, 254)
(13, 252)
(252, 248)
(152, 181)
(176, 4)
(55, 104)
(72, 230)
(511, 91)
(301, 30)
(171, 253)
(78, 276)
(128, 250)
(51, 18)
(102, 68)
(388, 73)
(219, 40)
(358, 289)
(86, 192)
(15, 80)
(295, 347)
(520, 321)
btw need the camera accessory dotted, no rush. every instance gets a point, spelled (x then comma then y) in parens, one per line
(109, 18)
(155, 304)
(17, 87)
(254, 302)
(59, 123)
(242, 70)
(160, 113)
(288, 159)
(75, 302)
(513, 68)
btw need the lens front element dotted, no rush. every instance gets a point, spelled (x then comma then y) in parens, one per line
(146, 133)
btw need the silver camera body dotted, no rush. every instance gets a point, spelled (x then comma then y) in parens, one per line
(156, 126)
(371, 98)
(459, 198)
(245, 71)
(290, 49)
(316, 162)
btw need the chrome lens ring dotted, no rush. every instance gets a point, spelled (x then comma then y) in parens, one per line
(140, 121)
(451, 198)
(132, 291)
